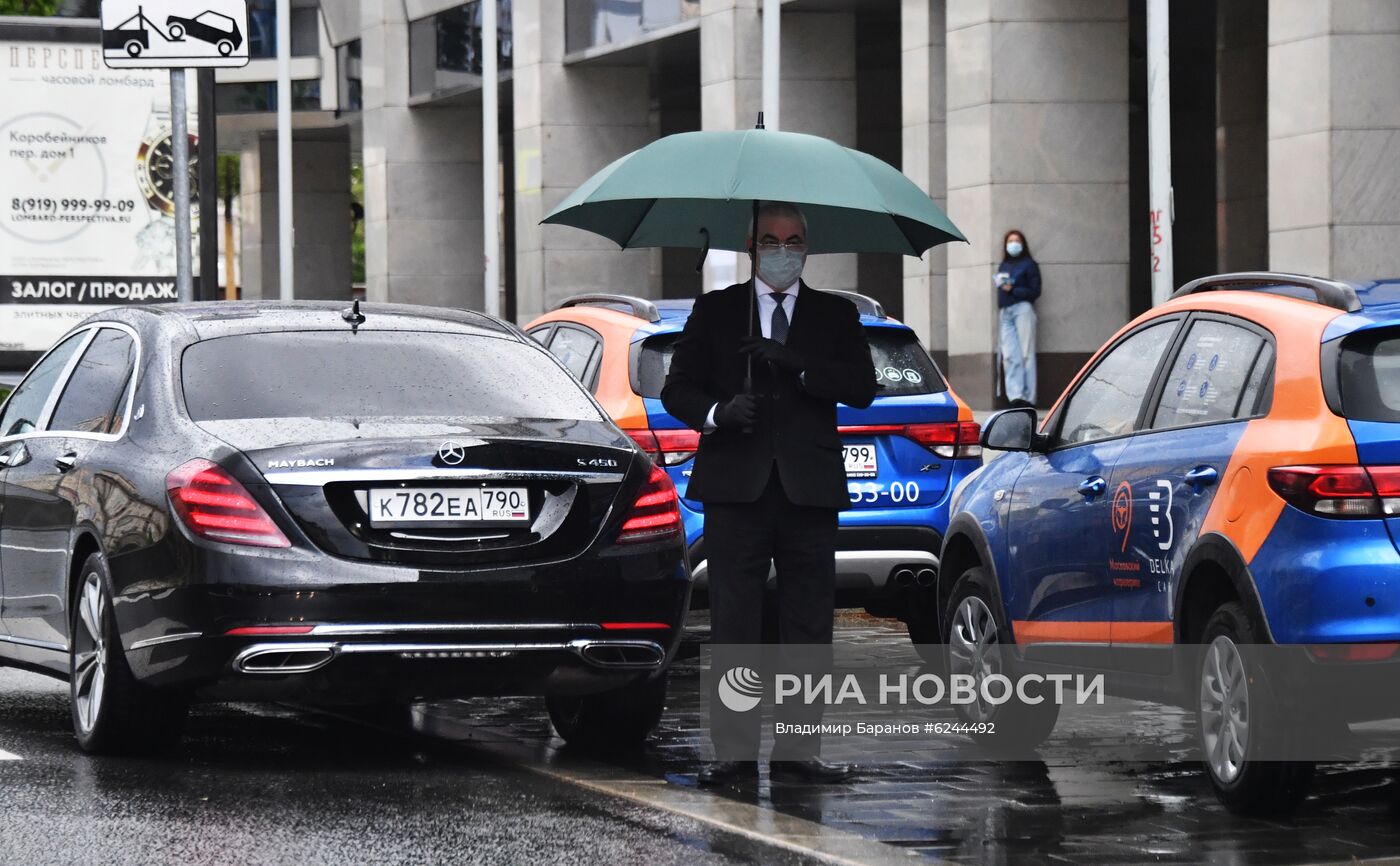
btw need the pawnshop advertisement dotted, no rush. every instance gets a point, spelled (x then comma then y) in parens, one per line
(86, 186)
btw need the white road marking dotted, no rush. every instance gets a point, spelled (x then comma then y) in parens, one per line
(9, 756)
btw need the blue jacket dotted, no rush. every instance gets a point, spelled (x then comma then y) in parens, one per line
(1025, 280)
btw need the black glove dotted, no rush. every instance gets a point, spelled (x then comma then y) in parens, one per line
(778, 354)
(741, 410)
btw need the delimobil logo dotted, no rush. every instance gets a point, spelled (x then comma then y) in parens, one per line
(740, 689)
(1121, 512)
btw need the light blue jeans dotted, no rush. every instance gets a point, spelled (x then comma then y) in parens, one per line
(1018, 350)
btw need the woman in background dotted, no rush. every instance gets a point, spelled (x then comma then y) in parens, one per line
(1018, 285)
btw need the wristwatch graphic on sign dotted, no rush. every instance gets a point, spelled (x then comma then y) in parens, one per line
(155, 165)
(155, 177)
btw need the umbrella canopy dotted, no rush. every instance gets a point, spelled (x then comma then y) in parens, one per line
(697, 189)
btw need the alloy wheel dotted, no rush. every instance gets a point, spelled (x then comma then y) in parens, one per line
(974, 649)
(1224, 709)
(90, 652)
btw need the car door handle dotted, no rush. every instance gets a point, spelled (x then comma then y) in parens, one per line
(67, 461)
(1093, 486)
(1202, 476)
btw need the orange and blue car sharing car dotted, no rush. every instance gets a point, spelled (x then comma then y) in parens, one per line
(1224, 472)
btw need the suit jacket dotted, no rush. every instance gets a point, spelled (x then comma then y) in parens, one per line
(796, 426)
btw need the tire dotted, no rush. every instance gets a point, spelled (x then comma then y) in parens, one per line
(133, 48)
(225, 47)
(979, 643)
(618, 719)
(927, 639)
(1224, 680)
(177, 32)
(112, 712)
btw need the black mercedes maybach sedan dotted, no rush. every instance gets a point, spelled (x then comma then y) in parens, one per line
(382, 505)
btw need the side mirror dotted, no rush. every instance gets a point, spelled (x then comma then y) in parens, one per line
(1010, 430)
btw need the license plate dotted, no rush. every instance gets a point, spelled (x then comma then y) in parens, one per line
(448, 506)
(861, 461)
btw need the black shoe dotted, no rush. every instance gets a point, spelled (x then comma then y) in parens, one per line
(813, 770)
(723, 772)
(1022, 404)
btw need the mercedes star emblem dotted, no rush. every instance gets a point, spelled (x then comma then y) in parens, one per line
(452, 453)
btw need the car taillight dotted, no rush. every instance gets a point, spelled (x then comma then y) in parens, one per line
(667, 447)
(1339, 491)
(656, 513)
(954, 440)
(213, 505)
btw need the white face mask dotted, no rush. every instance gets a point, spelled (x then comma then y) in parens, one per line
(1014, 248)
(781, 267)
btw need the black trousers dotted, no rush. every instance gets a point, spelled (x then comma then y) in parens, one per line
(741, 541)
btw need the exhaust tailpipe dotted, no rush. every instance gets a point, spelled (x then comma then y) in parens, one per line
(903, 576)
(926, 577)
(284, 658)
(613, 654)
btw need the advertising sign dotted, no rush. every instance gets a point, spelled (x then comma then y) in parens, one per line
(150, 34)
(86, 190)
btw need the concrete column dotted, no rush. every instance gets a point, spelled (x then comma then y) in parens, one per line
(570, 121)
(1334, 130)
(320, 213)
(818, 93)
(1037, 113)
(923, 55)
(1242, 149)
(423, 230)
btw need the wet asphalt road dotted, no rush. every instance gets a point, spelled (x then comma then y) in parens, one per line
(266, 785)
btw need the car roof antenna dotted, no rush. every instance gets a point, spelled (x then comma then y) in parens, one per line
(354, 316)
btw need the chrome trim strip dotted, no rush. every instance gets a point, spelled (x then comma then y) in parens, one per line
(428, 628)
(37, 644)
(577, 647)
(322, 477)
(169, 638)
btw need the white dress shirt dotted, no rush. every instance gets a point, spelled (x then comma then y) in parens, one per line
(766, 304)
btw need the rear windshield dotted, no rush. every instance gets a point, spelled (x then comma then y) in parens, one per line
(902, 367)
(1369, 376)
(337, 374)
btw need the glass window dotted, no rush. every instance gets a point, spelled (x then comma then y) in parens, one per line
(402, 374)
(1208, 379)
(27, 403)
(902, 367)
(94, 400)
(1109, 397)
(1370, 376)
(575, 348)
(541, 335)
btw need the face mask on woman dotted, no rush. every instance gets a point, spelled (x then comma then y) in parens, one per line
(1014, 248)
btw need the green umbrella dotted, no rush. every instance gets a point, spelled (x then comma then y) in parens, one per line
(698, 189)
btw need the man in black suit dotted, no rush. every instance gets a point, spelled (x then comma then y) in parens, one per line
(769, 468)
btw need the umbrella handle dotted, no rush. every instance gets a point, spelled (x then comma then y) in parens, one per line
(704, 250)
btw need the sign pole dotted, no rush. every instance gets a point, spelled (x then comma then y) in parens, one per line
(180, 148)
(208, 187)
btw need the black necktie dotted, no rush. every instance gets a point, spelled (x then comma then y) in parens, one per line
(778, 324)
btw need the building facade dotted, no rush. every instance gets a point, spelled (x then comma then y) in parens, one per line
(1026, 114)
